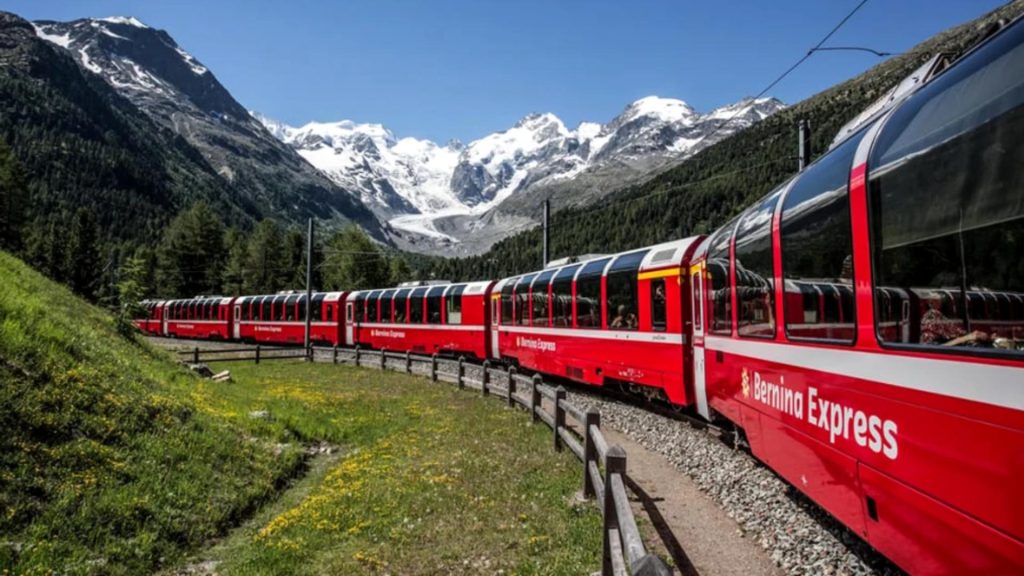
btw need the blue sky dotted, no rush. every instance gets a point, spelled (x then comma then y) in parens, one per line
(445, 69)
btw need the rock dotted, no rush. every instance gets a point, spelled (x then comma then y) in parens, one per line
(260, 415)
(201, 369)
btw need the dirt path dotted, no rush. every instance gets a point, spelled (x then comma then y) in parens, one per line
(696, 532)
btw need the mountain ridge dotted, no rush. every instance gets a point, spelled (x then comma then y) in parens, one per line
(148, 68)
(457, 194)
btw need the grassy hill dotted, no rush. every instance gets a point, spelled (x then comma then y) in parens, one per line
(705, 191)
(106, 464)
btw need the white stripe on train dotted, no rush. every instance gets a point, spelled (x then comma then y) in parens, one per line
(985, 383)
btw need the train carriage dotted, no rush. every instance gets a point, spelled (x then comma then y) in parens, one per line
(203, 317)
(613, 319)
(281, 318)
(862, 326)
(151, 321)
(439, 318)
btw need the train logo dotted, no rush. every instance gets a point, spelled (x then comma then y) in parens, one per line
(746, 383)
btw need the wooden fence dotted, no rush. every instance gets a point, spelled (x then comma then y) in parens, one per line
(604, 465)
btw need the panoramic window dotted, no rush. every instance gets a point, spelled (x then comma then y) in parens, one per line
(659, 304)
(508, 302)
(289, 308)
(720, 293)
(561, 297)
(454, 304)
(318, 305)
(539, 290)
(401, 305)
(817, 249)
(622, 287)
(523, 299)
(416, 305)
(755, 270)
(588, 294)
(373, 306)
(434, 304)
(947, 208)
(385, 305)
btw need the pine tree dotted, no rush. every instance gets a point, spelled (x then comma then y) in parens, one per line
(398, 269)
(353, 262)
(82, 259)
(266, 268)
(233, 278)
(191, 253)
(295, 252)
(13, 196)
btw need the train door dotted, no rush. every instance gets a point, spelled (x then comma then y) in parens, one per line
(237, 324)
(495, 315)
(697, 306)
(350, 315)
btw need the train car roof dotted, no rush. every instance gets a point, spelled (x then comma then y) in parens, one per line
(667, 253)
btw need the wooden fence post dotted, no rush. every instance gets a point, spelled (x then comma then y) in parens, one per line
(383, 358)
(535, 397)
(257, 353)
(511, 386)
(408, 362)
(195, 355)
(485, 380)
(358, 354)
(335, 357)
(559, 417)
(592, 418)
(615, 463)
(462, 372)
(433, 367)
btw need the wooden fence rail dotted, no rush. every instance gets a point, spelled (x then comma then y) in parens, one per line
(624, 551)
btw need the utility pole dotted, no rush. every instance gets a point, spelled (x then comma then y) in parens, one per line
(309, 287)
(547, 214)
(804, 143)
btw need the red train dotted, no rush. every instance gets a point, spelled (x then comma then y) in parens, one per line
(862, 325)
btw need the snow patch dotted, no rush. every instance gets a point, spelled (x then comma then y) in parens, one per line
(126, 20)
(192, 63)
(88, 63)
(62, 40)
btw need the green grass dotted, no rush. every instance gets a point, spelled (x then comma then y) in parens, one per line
(114, 460)
(106, 464)
(431, 480)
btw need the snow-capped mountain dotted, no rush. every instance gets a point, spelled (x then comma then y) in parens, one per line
(495, 185)
(153, 72)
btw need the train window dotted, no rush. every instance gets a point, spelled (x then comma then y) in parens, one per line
(622, 287)
(755, 270)
(522, 299)
(265, 307)
(401, 306)
(373, 306)
(434, 304)
(507, 296)
(301, 313)
(539, 297)
(561, 297)
(416, 305)
(454, 302)
(817, 249)
(588, 294)
(318, 308)
(946, 198)
(659, 304)
(289, 308)
(358, 306)
(385, 305)
(720, 293)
